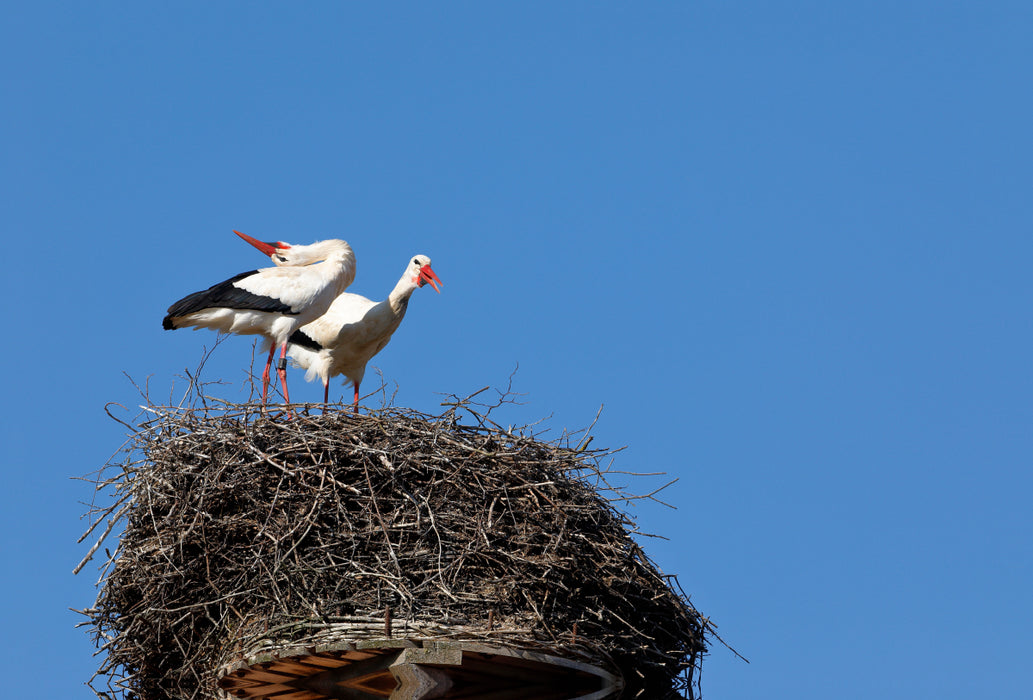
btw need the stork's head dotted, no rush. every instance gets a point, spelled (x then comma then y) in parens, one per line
(419, 268)
(278, 251)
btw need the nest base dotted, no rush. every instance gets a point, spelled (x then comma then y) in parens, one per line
(415, 669)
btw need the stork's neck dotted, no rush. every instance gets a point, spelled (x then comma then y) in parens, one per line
(338, 262)
(398, 299)
(331, 251)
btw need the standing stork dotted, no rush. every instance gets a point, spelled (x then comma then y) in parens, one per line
(354, 329)
(273, 301)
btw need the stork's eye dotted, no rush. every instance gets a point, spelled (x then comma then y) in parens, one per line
(281, 258)
(416, 262)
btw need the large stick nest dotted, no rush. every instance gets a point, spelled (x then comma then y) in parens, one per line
(243, 533)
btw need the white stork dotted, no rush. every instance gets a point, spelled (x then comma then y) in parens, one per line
(274, 301)
(354, 329)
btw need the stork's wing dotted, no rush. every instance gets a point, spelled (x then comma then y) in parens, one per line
(226, 295)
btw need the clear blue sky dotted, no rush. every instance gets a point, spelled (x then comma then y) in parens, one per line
(787, 245)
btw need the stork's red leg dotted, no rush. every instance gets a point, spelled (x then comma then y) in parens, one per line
(265, 374)
(356, 408)
(326, 393)
(281, 369)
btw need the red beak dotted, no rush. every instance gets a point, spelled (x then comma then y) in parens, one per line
(267, 248)
(428, 275)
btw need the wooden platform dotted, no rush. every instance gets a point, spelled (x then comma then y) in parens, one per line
(405, 669)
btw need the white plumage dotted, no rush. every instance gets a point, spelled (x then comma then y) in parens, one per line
(354, 329)
(274, 301)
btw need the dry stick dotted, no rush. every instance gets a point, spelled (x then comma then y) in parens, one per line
(383, 527)
(103, 513)
(96, 545)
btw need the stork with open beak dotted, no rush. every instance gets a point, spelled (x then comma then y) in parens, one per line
(354, 329)
(273, 301)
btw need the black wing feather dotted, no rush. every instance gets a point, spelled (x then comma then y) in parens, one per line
(304, 340)
(224, 296)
